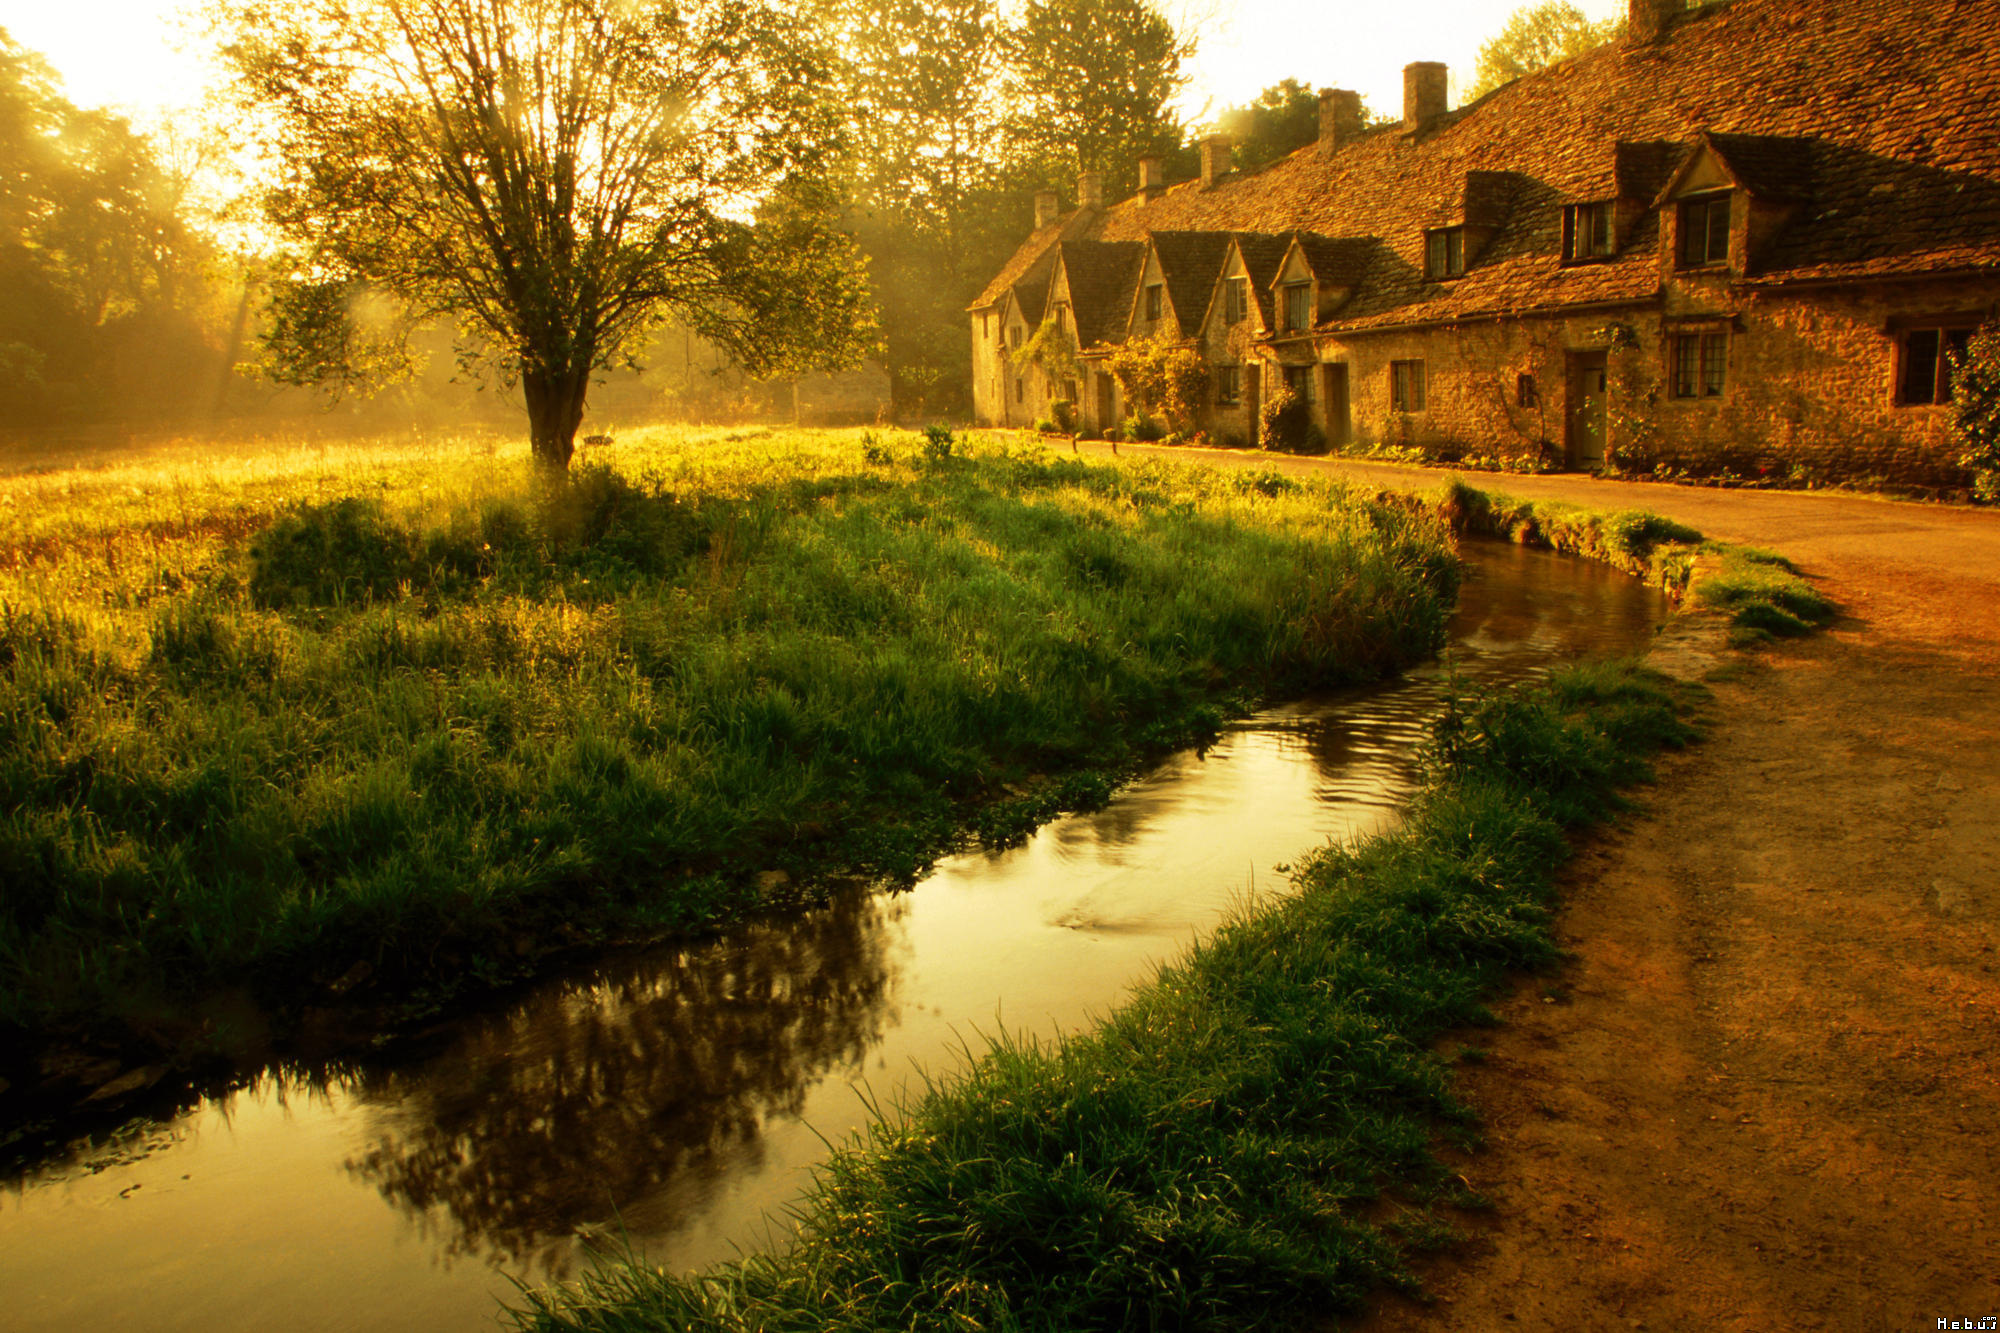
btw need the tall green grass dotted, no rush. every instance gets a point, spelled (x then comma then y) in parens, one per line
(1247, 1144)
(264, 721)
(1762, 593)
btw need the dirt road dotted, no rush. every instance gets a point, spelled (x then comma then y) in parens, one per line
(1765, 1094)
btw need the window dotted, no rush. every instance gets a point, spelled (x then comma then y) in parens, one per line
(1406, 386)
(1014, 337)
(1925, 375)
(1525, 393)
(1020, 390)
(1228, 385)
(1155, 299)
(1299, 379)
(1236, 300)
(1298, 307)
(986, 326)
(1586, 232)
(1699, 362)
(1444, 254)
(1069, 390)
(1705, 231)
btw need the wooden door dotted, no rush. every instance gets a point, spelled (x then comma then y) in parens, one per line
(1333, 393)
(1588, 395)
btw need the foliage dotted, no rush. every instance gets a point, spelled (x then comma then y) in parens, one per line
(1214, 1155)
(1764, 596)
(1052, 350)
(1091, 84)
(266, 719)
(1282, 119)
(1537, 36)
(552, 176)
(107, 307)
(1284, 421)
(1162, 378)
(1975, 400)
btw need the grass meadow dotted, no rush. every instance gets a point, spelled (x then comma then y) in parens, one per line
(407, 717)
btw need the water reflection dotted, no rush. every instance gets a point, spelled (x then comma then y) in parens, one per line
(623, 1099)
(684, 1096)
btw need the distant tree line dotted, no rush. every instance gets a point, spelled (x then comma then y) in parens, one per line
(930, 126)
(107, 290)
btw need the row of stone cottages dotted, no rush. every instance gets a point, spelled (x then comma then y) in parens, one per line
(1747, 235)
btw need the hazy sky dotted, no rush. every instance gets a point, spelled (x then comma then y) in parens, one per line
(123, 52)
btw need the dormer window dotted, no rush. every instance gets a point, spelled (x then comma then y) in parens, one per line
(1236, 300)
(1586, 232)
(1444, 253)
(1298, 307)
(1705, 230)
(1156, 295)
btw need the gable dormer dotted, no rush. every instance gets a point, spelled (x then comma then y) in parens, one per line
(1176, 281)
(1729, 197)
(1152, 314)
(1318, 275)
(1238, 306)
(1060, 306)
(1294, 294)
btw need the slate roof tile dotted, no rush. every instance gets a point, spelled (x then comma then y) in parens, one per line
(1877, 122)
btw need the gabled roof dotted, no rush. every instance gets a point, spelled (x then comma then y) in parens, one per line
(1342, 261)
(1774, 168)
(1874, 119)
(1189, 261)
(1033, 258)
(1102, 275)
(1262, 256)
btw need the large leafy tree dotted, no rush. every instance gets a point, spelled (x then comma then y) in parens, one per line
(1090, 82)
(1536, 37)
(553, 175)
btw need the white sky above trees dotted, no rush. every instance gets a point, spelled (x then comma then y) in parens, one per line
(141, 56)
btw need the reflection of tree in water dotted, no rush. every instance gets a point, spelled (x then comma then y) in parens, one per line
(653, 1078)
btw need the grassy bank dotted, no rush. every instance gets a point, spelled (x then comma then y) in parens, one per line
(396, 722)
(1246, 1144)
(1762, 593)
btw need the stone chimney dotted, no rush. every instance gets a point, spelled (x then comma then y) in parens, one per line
(1047, 208)
(1214, 159)
(1090, 190)
(1339, 119)
(1152, 176)
(1424, 92)
(1647, 20)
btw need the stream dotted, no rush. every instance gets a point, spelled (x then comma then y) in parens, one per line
(682, 1096)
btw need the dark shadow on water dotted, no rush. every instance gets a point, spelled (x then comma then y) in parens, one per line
(651, 1081)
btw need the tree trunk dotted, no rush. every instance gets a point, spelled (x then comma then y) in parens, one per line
(555, 410)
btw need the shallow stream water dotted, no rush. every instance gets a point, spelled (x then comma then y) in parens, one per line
(683, 1096)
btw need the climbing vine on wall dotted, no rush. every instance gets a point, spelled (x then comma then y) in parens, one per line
(1163, 379)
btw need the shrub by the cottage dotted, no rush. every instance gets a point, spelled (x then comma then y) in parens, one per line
(1975, 400)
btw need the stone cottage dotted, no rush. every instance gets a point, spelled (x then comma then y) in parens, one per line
(1748, 235)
